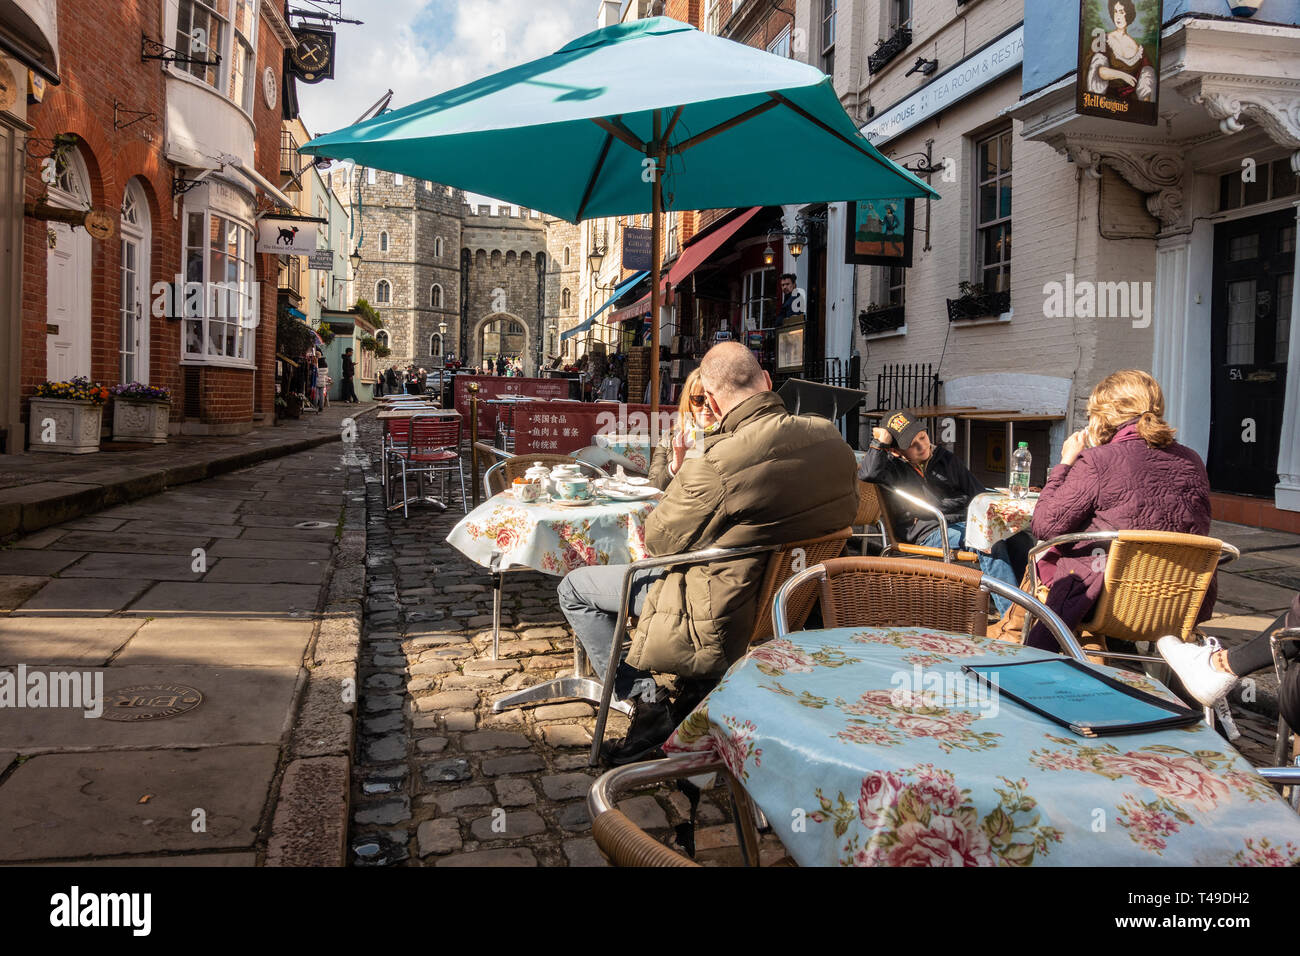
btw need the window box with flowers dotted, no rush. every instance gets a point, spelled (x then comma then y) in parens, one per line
(66, 417)
(140, 413)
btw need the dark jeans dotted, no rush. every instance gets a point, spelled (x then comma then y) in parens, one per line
(349, 393)
(1257, 654)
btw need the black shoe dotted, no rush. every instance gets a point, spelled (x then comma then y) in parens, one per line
(652, 724)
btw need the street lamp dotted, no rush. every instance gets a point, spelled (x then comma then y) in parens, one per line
(797, 244)
(769, 256)
(595, 258)
(442, 328)
(355, 259)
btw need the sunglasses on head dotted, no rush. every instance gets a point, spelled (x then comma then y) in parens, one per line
(697, 401)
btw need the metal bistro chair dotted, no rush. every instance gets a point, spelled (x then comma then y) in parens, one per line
(1155, 583)
(894, 544)
(780, 565)
(1285, 635)
(432, 448)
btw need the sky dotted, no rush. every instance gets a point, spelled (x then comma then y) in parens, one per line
(421, 47)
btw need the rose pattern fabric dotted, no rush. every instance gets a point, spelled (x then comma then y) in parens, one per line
(993, 517)
(857, 762)
(552, 538)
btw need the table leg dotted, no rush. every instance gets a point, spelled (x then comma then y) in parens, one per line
(498, 584)
(968, 444)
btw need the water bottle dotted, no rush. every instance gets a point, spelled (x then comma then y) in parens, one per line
(1020, 471)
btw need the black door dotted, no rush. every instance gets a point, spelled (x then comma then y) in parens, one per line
(1254, 265)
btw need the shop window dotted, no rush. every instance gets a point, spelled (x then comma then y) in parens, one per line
(759, 289)
(435, 297)
(993, 212)
(383, 242)
(383, 292)
(220, 324)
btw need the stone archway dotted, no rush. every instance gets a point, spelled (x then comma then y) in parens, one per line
(500, 333)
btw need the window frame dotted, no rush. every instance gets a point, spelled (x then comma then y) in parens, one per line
(896, 21)
(979, 268)
(383, 240)
(829, 11)
(435, 296)
(248, 260)
(386, 285)
(220, 79)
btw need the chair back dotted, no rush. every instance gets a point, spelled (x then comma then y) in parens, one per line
(869, 507)
(780, 566)
(396, 431)
(903, 592)
(432, 436)
(1155, 583)
(883, 513)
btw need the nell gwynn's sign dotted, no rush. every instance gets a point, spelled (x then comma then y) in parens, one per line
(1119, 60)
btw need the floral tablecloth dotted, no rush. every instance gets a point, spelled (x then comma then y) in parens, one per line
(552, 538)
(869, 747)
(992, 517)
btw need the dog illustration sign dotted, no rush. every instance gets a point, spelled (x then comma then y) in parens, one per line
(286, 237)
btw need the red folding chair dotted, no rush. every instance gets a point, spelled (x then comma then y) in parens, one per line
(396, 432)
(432, 448)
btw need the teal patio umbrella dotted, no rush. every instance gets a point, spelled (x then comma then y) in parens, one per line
(630, 119)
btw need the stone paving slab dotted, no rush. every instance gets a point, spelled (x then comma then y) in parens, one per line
(228, 600)
(17, 589)
(217, 641)
(155, 567)
(79, 597)
(46, 803)
(1246, 592)
(27, 561)
(81, 642)
(263, 549)
(127, 542)
(241, 705)
(268, 571)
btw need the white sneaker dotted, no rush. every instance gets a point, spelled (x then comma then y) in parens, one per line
(1191, 662)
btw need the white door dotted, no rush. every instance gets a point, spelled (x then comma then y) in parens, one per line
(68, 305)
(134, 308)
(67, 288)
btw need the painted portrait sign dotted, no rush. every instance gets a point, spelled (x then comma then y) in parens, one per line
(1119, 60)
(879, 233)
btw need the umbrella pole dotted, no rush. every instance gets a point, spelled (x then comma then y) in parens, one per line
(656, 267)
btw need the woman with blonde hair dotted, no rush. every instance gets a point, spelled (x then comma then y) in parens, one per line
(1123, 472)
(695, 420)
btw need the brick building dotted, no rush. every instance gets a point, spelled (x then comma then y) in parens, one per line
(179, 154)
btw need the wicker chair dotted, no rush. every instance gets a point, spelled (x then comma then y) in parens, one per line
(1155, 584)
(893, 543)
(780, 566)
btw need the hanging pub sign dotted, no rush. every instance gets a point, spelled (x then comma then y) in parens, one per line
(636, 249)
(286, 236)
(879, 233)
(1119, 60)
(311, 58)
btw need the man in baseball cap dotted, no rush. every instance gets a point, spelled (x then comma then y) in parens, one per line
(902, 456)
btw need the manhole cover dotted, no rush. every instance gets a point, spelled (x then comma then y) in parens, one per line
(313, 524)
(151, 702)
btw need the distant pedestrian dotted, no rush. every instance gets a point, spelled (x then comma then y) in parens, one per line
(392, 381)
(349, 371)
(379, 384)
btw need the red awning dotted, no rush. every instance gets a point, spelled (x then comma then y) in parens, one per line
(692, 257)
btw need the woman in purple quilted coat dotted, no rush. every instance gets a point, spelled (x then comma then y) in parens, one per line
(1124, 472)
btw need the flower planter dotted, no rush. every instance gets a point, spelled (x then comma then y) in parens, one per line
(64, 426)
(141, 421)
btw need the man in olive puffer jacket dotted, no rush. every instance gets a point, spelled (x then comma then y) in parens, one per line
(766, 477)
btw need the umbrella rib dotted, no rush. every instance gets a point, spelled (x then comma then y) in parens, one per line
(672, 124)
(615, 127)
(595, 174)
(724, 126)
(777, 97)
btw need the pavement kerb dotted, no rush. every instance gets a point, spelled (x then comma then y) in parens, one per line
(309, 822)
(19, 518)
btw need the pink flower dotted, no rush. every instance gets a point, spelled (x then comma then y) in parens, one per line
(1181, 779)
(940, 726)
(1061, 760)
(945, 842)
(874, 702)
(863, 734)
(938, 790)
(507, 538)
(782, 656)
(880, 792)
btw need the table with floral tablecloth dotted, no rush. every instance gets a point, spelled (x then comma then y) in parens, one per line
(870, 747)
(994, 516)
(552, 538)
(637, 449)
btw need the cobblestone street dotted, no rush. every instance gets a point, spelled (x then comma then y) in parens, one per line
(435, 768)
